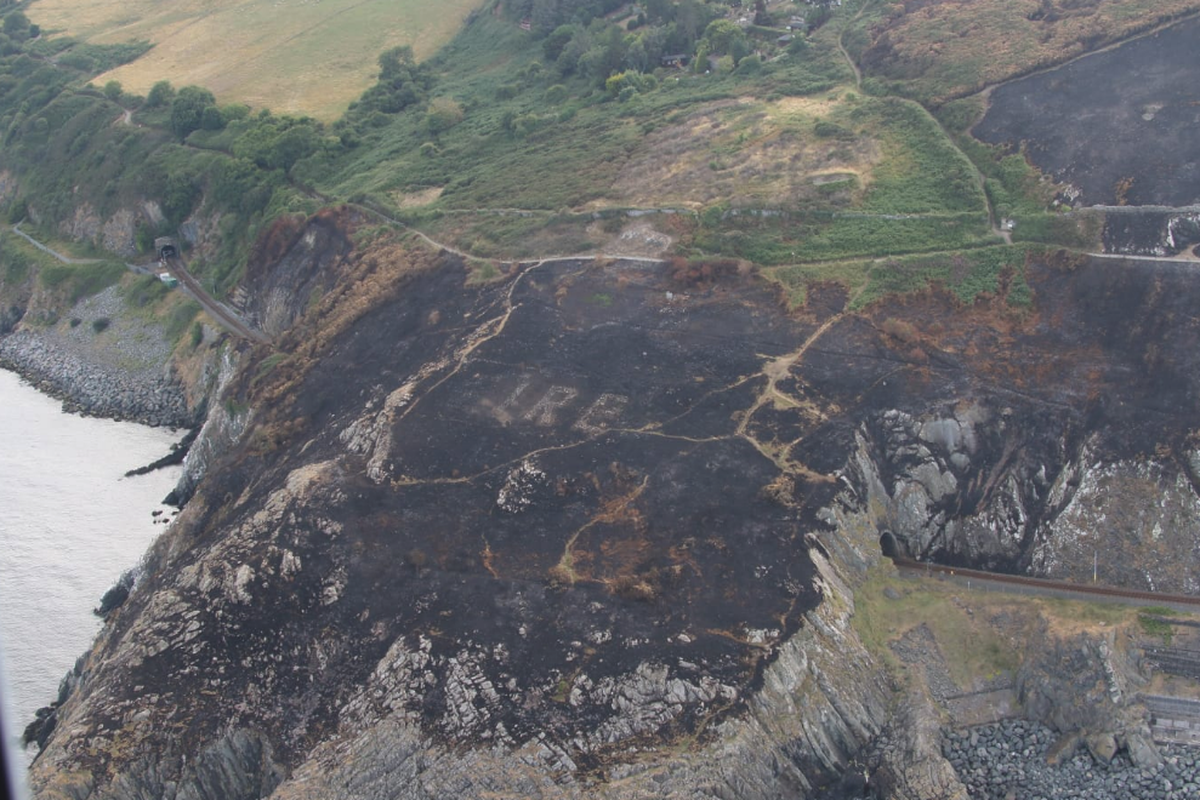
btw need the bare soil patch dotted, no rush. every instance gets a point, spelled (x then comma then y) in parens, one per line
(733, 153)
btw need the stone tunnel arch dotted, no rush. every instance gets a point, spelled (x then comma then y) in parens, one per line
(889, 545)
(165, 247)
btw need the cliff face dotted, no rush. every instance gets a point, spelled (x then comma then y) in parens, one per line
(588, 530)
(1068, 435)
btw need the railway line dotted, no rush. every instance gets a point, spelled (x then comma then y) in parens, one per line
(992, 581)
(218, 311)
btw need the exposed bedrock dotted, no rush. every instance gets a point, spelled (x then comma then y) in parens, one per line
(1078, 448)
(1151, 233)
(585, 531)
(292, 266)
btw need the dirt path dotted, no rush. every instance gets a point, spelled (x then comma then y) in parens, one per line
(1187, 256)
(538, 261)
(842, 47)
(64, 259)
(778, 369)
(1144, 209)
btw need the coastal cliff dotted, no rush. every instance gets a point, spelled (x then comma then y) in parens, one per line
(595, 528)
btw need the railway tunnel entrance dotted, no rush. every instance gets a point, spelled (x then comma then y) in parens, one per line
(889, 545)
(165, 247)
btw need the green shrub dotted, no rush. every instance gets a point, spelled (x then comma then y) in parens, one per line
(146, 291)
(444, 113)
(197, 334)
(831, 130)
(179, 319)
(17, 211)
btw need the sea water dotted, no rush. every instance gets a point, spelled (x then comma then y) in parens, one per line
(70, 524)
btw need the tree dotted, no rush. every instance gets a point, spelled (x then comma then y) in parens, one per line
(574, 50)
(653, 42)
(180, 197)
(402, 82)
(187, 110)
(161, 94)
(213, 119)
(396, 63)
(552, 45)
(293, 144)
(690, 18)
(16, 25)
(544, 15)
(724, 36)
(112, 90)
(659, 10)
(761, 17)
(235, 111)
(616, 84)
(606, 56)
(278, 142)
(750, 65)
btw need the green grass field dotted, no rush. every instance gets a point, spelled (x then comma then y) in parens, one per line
(310, 57)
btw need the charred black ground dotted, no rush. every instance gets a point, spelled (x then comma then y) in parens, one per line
(587, 475)
(1122, 125)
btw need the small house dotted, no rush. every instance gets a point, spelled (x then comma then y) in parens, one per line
(674, 60)
(168, 279)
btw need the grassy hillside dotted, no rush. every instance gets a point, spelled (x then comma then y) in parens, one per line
(515, 141)
(292, 56)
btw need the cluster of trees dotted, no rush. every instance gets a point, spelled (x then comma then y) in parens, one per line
(18, 27)
(267, 141)
(402, 83)
(584, 43)
(596, 48)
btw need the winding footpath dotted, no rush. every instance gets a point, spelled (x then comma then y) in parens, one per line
(64, 259)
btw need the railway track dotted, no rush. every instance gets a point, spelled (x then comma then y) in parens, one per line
(219, 311)
(1052, 588)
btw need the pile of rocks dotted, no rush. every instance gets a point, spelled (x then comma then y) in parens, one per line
(1008, 760)
(95, 389)
(107, 361)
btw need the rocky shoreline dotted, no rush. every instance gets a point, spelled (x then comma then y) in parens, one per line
(1009, 760)
(92, 390)
(103, 363)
